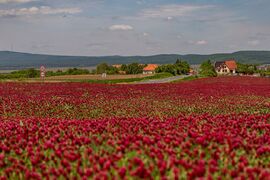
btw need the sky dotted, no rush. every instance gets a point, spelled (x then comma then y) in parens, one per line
(134, 27)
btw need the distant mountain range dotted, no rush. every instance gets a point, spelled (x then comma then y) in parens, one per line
(17, 60)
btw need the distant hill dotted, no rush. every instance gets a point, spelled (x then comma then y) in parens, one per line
(17, 60)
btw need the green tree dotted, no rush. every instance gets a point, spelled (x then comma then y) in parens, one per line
(105, 68)
(207, 70)
(123, 67)
(182, 67)
(134, 68)
(112, 70)
(169, 68)
(27, 73)
(102, 68)
(246, 68)
(31, 73)
(76, 71)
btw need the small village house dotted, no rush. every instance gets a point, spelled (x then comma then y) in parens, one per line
(150, 69)
(122, 72)
(264, 67)
(118, 66)
(195, 68)
(192, 72)
(226, 67)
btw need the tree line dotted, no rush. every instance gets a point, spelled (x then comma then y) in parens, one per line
(34, 73)
(133, 68)
(178, 68)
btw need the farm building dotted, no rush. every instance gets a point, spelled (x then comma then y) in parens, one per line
(118, 66)
(226, 67)
(150, 69)
(192, 72)
(264, 67)
(122, 72)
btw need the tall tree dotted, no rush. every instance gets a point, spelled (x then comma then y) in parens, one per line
(207, 69)
(102, 68)
(134, 68)
(182, 67)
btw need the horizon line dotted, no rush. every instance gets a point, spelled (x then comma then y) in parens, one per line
(45, 54)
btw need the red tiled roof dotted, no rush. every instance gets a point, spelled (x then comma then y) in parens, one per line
(150, 67)
(231, 64)
(117, 65)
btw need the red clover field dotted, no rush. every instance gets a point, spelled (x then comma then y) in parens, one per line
(211, 128)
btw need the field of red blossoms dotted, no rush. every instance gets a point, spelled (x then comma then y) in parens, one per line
(207, 128)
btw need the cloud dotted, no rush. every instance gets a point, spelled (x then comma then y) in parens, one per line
(169, 18)
(145, 34)
(121, 27)
(43, 10)
(15, 1)
(200, 42)
(170, 11)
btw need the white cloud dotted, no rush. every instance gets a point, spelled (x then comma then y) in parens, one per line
(122, 27)
(169, 18)
(170, 11)
(43, 10)
(145, 34)
(201, 42)
(15, 1)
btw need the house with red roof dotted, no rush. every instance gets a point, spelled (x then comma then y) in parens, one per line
(226, 67)
(150, 69)
(118, 66)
